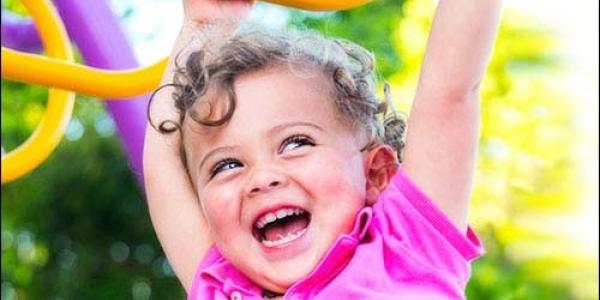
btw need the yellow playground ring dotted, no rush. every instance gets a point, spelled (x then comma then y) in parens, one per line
(47, 135)
(55, 72)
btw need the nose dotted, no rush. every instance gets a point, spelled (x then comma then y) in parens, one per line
(265, 180)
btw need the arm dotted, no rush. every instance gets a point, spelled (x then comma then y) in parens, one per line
(443, 127)
(174, 208)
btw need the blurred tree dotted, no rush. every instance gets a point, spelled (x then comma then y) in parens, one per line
(77, 227)
(370, 25)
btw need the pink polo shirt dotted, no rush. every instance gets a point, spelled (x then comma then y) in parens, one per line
(403, 247)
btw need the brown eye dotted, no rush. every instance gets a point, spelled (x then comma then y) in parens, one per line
(224, 165)
(294, 142)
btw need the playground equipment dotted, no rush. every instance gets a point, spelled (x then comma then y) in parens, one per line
(104, 48)
(60, 103)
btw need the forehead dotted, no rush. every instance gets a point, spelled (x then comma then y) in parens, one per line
(286, 92)
(270, 97)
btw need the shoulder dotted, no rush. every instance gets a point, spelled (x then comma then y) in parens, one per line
(403, 211)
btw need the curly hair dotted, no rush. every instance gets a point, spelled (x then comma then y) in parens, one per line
(350, 67)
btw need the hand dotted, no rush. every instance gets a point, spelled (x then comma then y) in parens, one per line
(213, 11)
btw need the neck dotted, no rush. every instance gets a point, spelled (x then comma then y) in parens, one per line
(271, 295)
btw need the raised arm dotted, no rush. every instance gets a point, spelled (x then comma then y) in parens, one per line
(443, 127)
(172, 202)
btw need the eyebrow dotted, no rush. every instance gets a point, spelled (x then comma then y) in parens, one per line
(211, 153)
(294, 124)
(275, 129)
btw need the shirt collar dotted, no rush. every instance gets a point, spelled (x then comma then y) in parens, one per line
(225, 277)
(338, 256)
(362, 223)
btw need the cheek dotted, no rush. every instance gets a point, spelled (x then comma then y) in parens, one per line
(220, 206)
(338, 191)
(342, 177)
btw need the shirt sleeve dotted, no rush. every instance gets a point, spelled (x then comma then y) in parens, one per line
(409, 217)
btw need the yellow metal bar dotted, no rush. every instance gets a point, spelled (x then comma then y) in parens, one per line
(47, 135)
(321, 4)
(82, 79)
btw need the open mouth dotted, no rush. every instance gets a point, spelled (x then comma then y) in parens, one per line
(277, 228)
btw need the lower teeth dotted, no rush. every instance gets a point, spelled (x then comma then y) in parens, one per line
(284, 240)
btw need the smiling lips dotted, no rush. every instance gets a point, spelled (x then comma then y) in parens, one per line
(280, 227)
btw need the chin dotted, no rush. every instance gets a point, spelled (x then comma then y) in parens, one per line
(282, 275)
(281, 282)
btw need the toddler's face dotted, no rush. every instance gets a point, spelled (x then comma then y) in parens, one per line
(281, 180)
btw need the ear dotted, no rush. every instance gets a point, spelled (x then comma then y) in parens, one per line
(381, 165)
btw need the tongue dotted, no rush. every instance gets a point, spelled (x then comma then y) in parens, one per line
(282, 228)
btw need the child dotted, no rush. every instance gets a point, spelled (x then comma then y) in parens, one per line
(283, 157)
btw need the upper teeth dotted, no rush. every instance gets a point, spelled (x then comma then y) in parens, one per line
(279, 214)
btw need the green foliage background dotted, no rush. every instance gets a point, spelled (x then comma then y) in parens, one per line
(78, 228)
